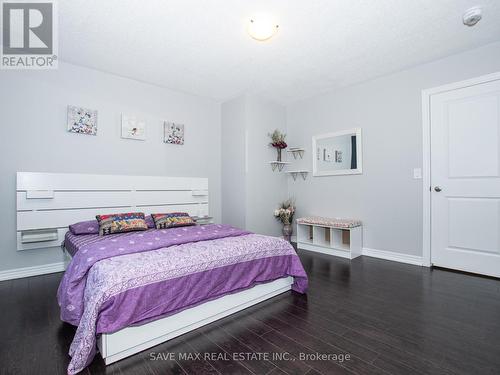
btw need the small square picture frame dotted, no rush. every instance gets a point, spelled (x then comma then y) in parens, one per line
(173, 133)
(133, 127)
(82, 120)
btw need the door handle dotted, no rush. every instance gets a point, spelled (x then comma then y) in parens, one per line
(437, 189)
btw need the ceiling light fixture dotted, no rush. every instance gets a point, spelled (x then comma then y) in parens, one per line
(262, 27)
(472, 16)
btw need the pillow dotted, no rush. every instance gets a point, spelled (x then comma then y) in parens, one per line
(173, 219)
(92, 226)
(85, 227)
(150, 222)
(120, 223)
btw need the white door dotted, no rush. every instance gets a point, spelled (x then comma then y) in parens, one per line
(465, 179)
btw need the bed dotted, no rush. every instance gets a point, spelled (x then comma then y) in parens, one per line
(128, 292)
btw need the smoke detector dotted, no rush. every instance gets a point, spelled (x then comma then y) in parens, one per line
(472, 16)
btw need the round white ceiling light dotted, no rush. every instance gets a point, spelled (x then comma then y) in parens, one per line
(262, 27)
(472, 16)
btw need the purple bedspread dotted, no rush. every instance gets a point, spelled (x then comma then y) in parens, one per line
(122, 280)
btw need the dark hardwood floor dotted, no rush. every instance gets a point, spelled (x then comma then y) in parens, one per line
(390, 318)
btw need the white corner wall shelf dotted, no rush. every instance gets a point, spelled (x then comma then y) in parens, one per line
(295, 174)
(296, 151)
(278, 164)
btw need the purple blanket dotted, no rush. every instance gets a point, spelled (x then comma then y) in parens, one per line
(134, 278)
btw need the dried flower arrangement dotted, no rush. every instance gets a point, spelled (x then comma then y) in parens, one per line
(284, 213)
(277, 141)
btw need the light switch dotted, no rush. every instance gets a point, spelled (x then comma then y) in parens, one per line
(417, 173)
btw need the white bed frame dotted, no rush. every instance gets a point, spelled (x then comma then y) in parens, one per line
(132, 340)
(47, 203)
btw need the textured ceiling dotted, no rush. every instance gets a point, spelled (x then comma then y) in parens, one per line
(201, 46)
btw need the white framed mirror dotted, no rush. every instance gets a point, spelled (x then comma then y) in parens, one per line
(338, 153)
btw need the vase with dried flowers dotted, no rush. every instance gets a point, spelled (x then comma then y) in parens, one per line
(284, 213)
(278, 142)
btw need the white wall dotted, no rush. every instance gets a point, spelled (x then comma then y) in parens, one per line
(388, 109)
(265, 188)
(233, 125)
(251, 190)
(34, 138)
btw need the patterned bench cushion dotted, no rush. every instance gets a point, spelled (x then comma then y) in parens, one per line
(329, 222)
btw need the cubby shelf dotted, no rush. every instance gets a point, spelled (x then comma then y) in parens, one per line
(342, 242)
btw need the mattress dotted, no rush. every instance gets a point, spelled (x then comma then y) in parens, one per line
(73, 243)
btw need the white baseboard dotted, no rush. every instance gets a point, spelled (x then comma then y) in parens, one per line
(43, 269)
(393, 256)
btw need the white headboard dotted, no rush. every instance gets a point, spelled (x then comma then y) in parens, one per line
(48, 202)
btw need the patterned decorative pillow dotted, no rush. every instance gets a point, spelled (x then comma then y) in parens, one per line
(92, 226)
(173, 219)
(120, 223)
